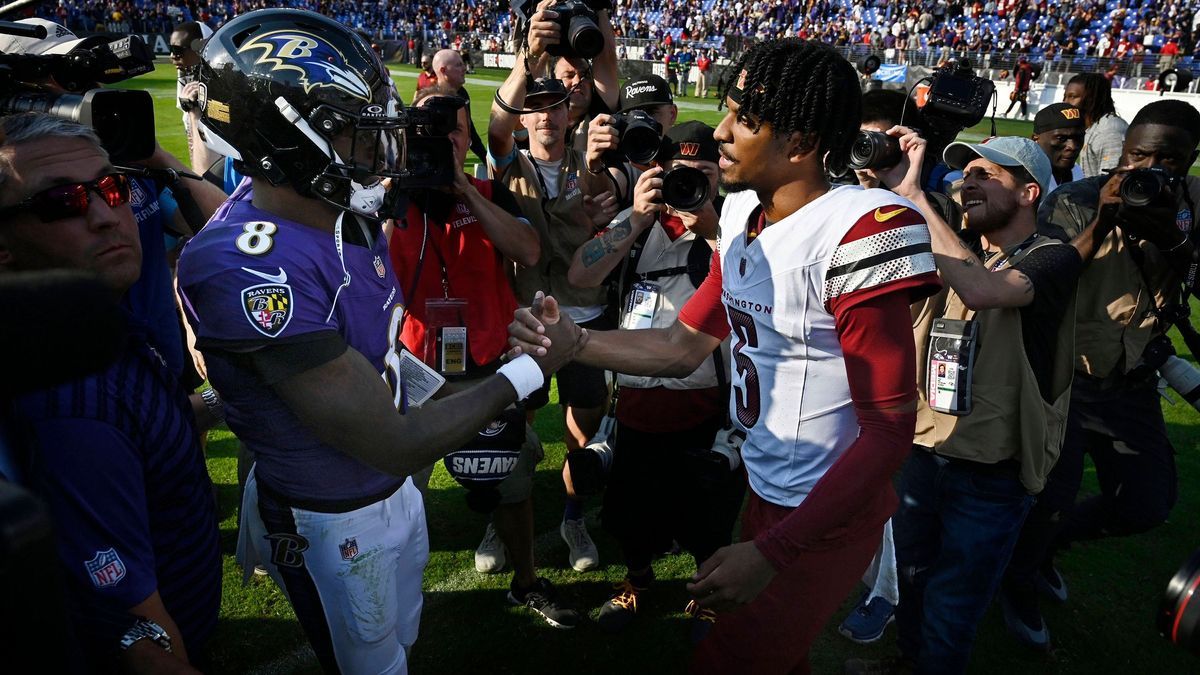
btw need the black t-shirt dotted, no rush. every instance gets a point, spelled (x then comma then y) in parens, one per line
(477, 146)
(1054, 272)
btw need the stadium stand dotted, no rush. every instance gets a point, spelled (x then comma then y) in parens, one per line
(1131, 40)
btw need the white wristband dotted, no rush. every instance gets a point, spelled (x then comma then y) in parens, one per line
(525, 375)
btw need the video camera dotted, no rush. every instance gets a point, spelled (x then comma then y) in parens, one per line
(428, 158)
(124, 120)
(957, 98)
(578, 22)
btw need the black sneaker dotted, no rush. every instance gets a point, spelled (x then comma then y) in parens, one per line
(619, 610)
(540, 599)
(1023, 618)
(1051, 583)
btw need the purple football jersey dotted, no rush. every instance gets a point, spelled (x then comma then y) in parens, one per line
(250, 279)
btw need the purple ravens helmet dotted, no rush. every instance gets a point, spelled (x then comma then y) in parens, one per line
(297, 98)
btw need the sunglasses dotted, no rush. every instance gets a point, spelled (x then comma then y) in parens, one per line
(72, 200)
(179, 50)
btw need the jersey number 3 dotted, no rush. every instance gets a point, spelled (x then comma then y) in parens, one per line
(746, 397)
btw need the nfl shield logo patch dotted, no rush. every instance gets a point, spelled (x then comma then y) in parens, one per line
(106, 569)
(268, 307)
(349, 549)
(136, 194)
(379, 268)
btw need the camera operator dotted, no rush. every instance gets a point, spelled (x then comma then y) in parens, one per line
(1138, 258)
(297, 311)
(449, 254)
(451, 72)
(988, 433)
(158, 209)
(183, 42)
(663, 484)
(115, 455)
(1058, 130)
(550, 182)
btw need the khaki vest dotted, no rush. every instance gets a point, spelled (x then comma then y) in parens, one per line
(660, 253)
(1009, 419)
(1113, 319)
(562, 224)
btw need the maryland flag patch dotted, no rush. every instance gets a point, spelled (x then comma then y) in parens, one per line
(268, 307)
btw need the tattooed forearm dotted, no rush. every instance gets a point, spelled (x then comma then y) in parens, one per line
(595, 250)
(968, 262)
(1028, 284)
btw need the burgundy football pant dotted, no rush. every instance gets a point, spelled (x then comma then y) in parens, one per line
(773, 633)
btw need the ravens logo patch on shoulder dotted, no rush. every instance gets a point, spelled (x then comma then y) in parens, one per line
(268, 307)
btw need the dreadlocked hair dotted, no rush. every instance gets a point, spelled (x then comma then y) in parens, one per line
(1097, 96)
(800, 86)
(1170, 112)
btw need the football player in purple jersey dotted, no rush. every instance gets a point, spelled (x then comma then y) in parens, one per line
(296, 308)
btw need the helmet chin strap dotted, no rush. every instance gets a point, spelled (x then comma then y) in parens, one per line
(363, 200)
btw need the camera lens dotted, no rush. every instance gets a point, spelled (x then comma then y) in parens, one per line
(874, 150)
(641, 137)
(585, 37)
(1179, 613)
(685, 188)
(1142, 187)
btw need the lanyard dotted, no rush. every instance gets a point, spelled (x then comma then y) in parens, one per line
(1003, 261)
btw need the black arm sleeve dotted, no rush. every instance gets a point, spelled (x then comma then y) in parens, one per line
(277, 361)
(1054, 272)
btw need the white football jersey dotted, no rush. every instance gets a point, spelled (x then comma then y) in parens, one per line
(789, 384)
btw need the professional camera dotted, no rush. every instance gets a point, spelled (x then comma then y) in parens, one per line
(709, 468)
(578, 23)
(590, 464)
(1179, 612)
(1143, 187)
(874, 150)
(685, 188)
(124, 120)
(957, 98)
(639, 137)
(428, 158)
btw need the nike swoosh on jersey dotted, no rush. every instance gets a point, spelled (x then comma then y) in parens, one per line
(280, 278)
(882, 217)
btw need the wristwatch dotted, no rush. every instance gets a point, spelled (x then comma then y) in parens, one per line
(214, 403)
(145, 629)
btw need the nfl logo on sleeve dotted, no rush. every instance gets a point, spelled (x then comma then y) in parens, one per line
(106, 569)
(349, 549)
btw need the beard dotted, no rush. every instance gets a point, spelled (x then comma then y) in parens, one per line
(990, 218)
(730, 186)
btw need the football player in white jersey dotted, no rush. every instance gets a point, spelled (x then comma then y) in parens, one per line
(815, 283)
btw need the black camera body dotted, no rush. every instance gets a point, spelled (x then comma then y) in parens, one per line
(957, 98)
(685, 188)
(1143, 187)
(578, 23)
(428, 153)
(874, 150)
(639, 138)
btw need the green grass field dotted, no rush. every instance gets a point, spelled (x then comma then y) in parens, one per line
(1108, 626)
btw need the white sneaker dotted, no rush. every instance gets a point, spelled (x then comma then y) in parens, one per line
(583, 555)
(489, 557)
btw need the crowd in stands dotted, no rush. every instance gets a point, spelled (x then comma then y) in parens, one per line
(1093, 33)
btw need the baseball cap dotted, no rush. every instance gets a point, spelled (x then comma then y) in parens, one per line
(1005, 151)
(546, 88)
(59, 40)
(1057, 116)
(644, 91)
(693, 140)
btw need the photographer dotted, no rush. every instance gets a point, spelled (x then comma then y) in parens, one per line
(184, 40)
(988, 433)
(115, 455)
(1138, 258)
(449, 253)
(665, 483)
(550, 182)
(649, 95)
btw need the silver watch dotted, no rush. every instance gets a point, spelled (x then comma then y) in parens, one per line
(145, 629)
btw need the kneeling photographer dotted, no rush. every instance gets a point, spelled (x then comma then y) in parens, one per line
(1133, 229)
(665, 481)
